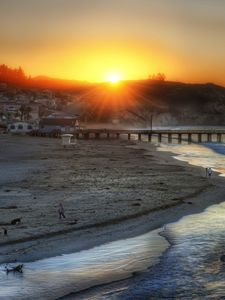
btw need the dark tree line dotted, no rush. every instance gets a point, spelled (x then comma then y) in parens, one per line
(157, 77)
(11, 75)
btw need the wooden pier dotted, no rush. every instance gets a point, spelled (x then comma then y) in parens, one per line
(167, 135)
(195, 135)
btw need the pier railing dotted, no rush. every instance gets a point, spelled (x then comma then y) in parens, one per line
(163, 134)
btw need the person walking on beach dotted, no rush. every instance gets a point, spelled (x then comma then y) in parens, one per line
(209, 172)
(206, 172)
(61, 211)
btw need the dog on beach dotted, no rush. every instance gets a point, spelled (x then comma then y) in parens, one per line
(18, 268)
(16, 221)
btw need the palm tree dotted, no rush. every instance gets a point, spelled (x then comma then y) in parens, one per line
(25, 112)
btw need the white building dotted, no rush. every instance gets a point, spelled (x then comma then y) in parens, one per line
(20, 127)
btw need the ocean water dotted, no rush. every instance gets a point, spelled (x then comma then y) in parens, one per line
(57, 276)
(204, 155)
(189, 269)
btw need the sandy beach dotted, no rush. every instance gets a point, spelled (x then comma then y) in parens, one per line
(110, 189)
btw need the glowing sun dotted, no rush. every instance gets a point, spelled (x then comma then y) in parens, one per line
(113, 78)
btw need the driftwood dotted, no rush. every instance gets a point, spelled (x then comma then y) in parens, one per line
(18, 268)
(72, 222)
(9, 207)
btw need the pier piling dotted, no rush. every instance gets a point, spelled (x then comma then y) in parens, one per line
(179, 138)
(209, 137)
(169, 138)
(219, 137)
(159, 137)
(189, 138)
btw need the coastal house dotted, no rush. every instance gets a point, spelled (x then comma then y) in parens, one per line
(16, 111)
(10, 108)
(50, 103)
(59, 122)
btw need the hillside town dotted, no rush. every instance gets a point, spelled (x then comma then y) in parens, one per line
(59, 106)
(25, 110)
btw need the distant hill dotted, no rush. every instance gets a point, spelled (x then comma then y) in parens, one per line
(174, 103)
(168, 103)
(17, 78)
(55, 83)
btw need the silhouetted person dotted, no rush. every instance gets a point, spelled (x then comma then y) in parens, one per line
(61, 211)
(209, 172)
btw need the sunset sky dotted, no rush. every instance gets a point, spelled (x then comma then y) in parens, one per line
(92, 39)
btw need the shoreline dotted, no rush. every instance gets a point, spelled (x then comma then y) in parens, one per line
(88, 236)
(200, 206)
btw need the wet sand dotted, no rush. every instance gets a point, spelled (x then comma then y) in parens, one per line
(110, 189)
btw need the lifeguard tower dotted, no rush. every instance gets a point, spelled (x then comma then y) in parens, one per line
(66, 140)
